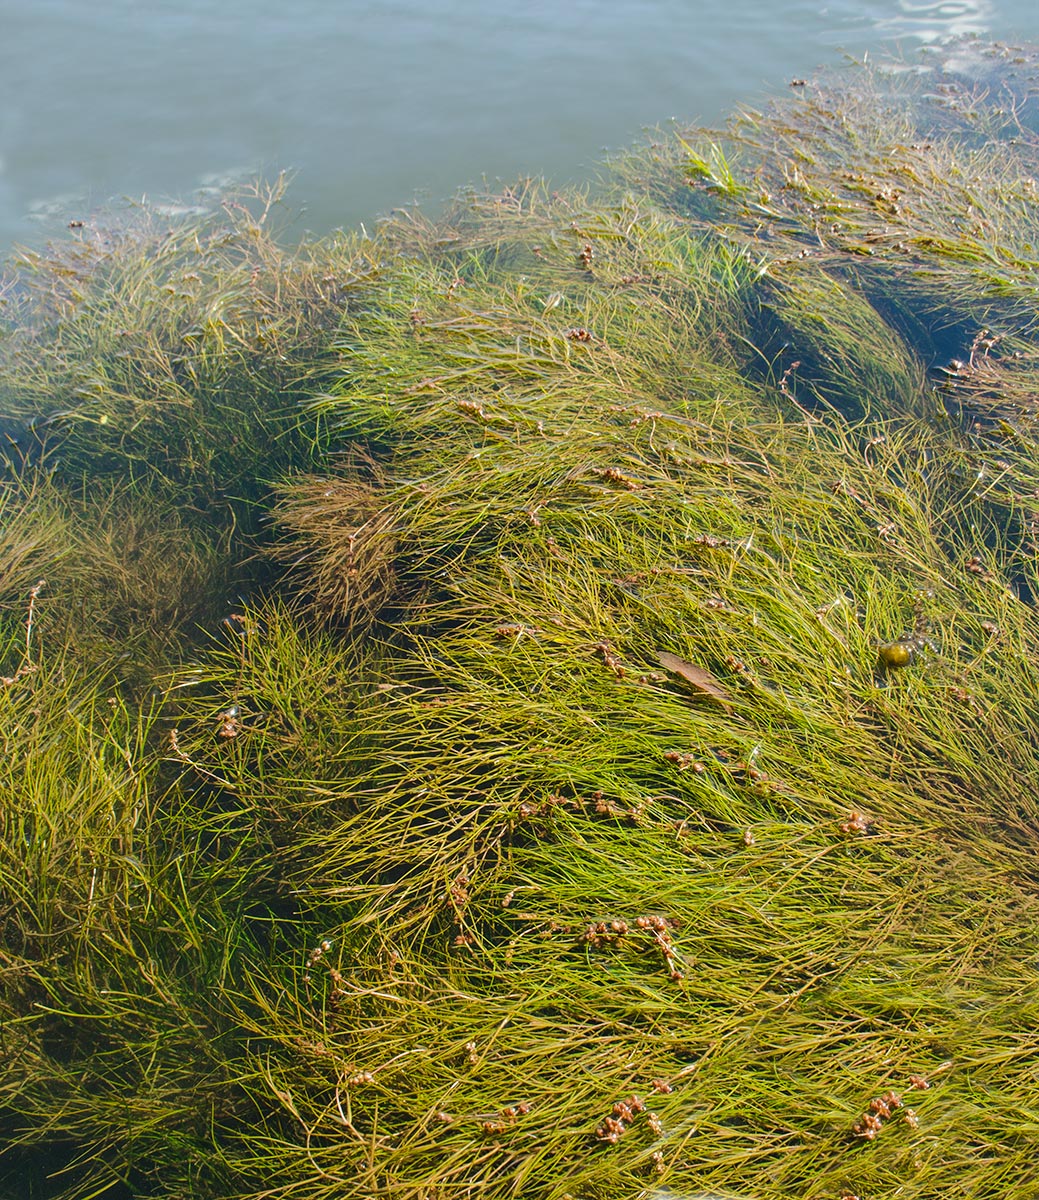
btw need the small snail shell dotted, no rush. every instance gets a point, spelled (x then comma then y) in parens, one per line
(896, 654)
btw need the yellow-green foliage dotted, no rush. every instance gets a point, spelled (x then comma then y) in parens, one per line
(551, 825)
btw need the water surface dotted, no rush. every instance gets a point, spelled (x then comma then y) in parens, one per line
(371, 104)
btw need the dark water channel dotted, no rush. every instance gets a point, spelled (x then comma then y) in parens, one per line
(373, 104)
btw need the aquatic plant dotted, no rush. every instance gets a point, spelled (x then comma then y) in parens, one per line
(623, 783)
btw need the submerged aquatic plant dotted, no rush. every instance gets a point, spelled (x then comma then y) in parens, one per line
(543, 825)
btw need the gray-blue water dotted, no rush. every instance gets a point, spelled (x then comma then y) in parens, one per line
(372, 104)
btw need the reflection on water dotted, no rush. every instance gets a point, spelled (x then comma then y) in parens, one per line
(909, 24)
(938, 22)
(372, 104)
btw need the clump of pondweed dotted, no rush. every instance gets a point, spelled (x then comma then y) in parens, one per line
(508, 772)
(153, 372)
(34, 535)
(171, 354)
(120, 569)
(343, 542)
(492, 873)
(115, 935)
(905, 202)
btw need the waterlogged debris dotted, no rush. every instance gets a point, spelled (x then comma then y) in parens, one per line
(698, 678)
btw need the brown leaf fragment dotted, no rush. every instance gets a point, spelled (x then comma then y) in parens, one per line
(697, 678)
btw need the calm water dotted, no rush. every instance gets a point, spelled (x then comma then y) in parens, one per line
(372, 104)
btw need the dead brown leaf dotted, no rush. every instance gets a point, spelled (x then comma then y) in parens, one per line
(699, 679)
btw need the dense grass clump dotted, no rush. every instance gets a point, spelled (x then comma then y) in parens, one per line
(539, 703)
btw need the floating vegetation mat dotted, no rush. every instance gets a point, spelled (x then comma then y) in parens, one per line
(543, 702)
